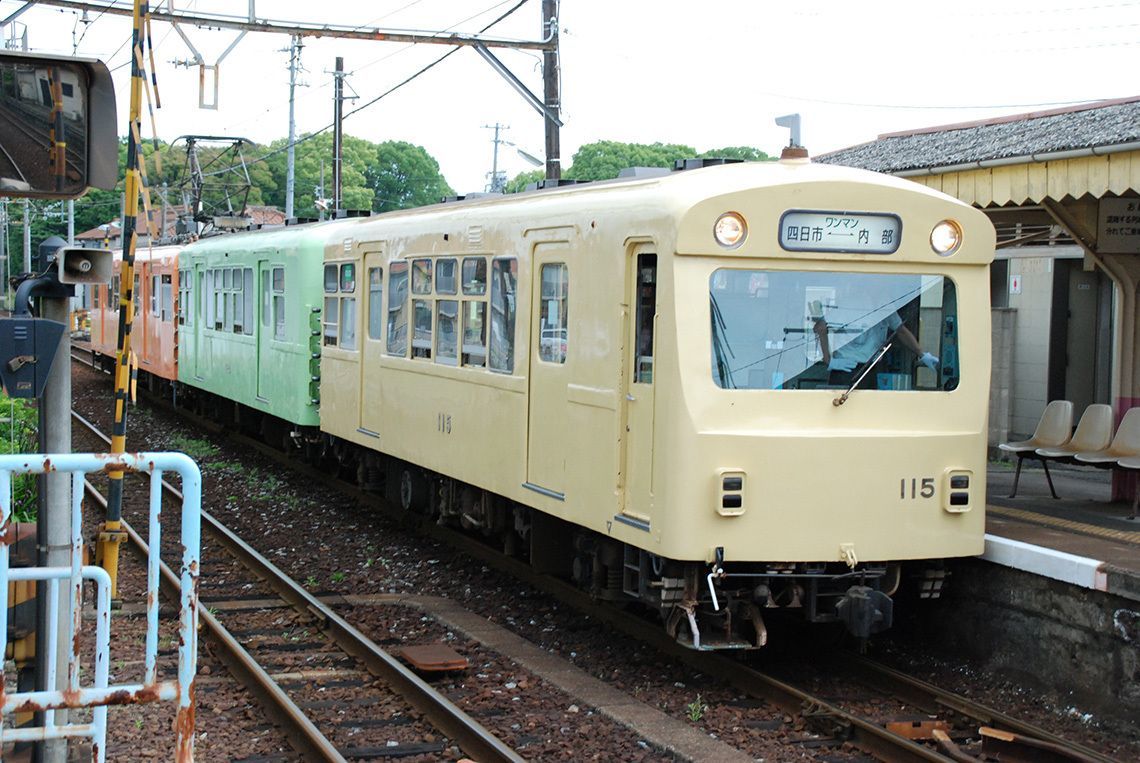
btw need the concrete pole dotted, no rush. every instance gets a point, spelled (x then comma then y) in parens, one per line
(290, 154)
(551, 91)
(55, 437)
(338, 103)
(4, 250)
(27, 237)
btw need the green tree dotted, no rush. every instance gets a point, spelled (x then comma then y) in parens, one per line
(606, 158)
(747, 153)
(404, 176)
(520, 181)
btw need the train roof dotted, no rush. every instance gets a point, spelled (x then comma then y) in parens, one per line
(672, 194)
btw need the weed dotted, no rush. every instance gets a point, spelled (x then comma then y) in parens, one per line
(311, 581)
(18, 434)
(196, 449)
(696, 709)
(338, 577)
(138, 723)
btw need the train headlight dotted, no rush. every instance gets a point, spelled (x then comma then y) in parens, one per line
(730, 230)
(946, 238)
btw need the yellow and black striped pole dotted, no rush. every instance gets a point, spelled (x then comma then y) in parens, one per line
(111, 534)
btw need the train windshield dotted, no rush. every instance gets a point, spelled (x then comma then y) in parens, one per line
(790, 330)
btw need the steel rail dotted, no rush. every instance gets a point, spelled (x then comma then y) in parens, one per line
(866, 735)
(926, 695)
(467, 733)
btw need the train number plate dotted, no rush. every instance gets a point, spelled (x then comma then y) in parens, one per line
(855, 232)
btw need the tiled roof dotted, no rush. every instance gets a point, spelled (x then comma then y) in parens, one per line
(1100, 124)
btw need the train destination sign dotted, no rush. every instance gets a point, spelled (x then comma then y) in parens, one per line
(857, 232)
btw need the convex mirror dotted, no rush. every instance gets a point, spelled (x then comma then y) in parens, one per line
(57, 126)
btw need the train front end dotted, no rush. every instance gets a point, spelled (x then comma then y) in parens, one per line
(828, 435)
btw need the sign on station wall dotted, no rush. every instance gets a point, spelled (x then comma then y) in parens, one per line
(1118, 231)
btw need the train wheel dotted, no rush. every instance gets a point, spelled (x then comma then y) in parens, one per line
(413, 489)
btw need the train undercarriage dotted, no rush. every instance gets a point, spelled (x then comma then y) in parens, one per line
(718, 606)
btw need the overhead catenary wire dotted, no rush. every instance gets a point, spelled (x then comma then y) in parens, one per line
(386, 93)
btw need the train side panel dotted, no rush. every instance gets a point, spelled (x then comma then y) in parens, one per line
(248, 336)
(154, 330)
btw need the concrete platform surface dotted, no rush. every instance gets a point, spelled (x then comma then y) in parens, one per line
(1083, 537)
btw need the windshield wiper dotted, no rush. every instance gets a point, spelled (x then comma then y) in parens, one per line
(843, 398)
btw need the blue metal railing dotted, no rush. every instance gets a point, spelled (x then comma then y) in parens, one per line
(100, 693)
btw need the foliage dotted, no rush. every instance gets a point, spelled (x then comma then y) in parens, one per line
(696, 709)
(520, 181)
(404, 176)
(19, 434)
(747, 153)
(605, 158)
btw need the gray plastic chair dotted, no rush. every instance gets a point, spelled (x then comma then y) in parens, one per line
(1052, 431)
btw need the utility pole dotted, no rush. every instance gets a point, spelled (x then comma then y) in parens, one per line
(290, 155)
(338, 111)
(551, 97)
(498, 181)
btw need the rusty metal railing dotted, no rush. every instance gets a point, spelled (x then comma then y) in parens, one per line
(100, 693)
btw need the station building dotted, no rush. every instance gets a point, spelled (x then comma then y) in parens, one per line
(1062, 188)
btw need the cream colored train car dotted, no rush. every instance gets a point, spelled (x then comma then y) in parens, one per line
(713, 391)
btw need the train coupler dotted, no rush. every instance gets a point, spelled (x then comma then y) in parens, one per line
(865, 611)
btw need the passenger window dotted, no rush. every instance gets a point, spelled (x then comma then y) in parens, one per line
(237, 302)
(185, 296)
(137, 295)
(166, 295)
(279, 303)
(154, 292)
(95, 289)
(398, 309)
(348, 323)
(474, 333)
(504, 278)
(646, 312)
(330, 319)
(447, 331)
(445, 277)
(375, 302)
(421, 339)
(348, 277)
(330, 279)
(474, 276)
(421, 276)
(552, 314)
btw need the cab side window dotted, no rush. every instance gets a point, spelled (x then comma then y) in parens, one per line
(339, 322)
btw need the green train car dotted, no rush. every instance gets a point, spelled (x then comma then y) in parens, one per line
(249, 329)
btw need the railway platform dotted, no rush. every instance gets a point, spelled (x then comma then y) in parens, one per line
(1083, 538)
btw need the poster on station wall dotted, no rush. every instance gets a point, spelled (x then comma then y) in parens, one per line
(1118, 231)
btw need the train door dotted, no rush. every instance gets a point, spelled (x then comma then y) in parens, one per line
(265, 328)
(638, 397)
(369, 421)
(547, 448)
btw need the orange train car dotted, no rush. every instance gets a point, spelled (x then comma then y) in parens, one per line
(154, 334)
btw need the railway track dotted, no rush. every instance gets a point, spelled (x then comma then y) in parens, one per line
(937, 725)
(348, 698)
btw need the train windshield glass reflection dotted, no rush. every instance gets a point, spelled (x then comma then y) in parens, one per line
(793, 330)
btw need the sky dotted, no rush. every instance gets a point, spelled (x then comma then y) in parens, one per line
(709, 74)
